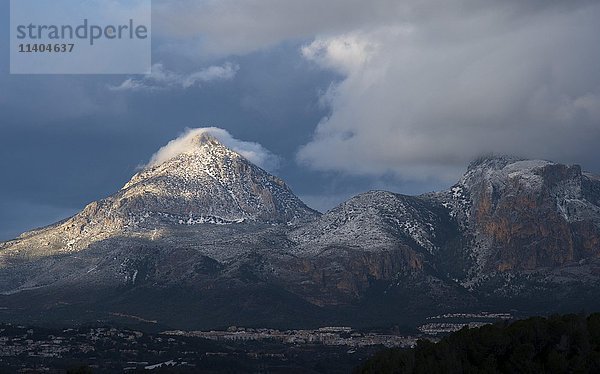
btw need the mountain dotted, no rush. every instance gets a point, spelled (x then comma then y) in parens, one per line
(376, 237)
(210, 183)
(511, 234)
(207, 183)
(526, 217)
(186, 225)
(206, 239)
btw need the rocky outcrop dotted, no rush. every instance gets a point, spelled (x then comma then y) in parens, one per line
(524, 215)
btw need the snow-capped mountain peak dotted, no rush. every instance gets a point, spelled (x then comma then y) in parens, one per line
(204, 182)
(207, 179)
(203, 154)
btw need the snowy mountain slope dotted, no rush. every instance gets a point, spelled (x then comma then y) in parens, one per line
(211, 180)
(207, 184)
(210, 224)
(374, 220)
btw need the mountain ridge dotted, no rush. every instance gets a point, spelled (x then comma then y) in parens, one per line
(209, 224)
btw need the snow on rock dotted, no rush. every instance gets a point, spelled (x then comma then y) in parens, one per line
(210, 180)
(373, 220)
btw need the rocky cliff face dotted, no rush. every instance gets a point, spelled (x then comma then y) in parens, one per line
(215, 235)
(526, 214)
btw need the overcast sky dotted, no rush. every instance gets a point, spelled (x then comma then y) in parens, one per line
(347, 95)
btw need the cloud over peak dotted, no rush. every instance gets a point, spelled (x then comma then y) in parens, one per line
(252, 151)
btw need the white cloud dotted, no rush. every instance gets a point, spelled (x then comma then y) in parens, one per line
(161, 78)
(421, 100)
(345, 53)
(253, 152)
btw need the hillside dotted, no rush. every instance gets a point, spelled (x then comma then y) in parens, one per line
(557, 344)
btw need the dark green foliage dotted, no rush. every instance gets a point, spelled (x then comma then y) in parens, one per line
(84, 369)
(558, 344)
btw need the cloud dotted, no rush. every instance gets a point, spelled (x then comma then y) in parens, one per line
(253, 152)
(161, 78)
(345, 53)
(225, 27)
(420, 99)
(427, 85)
(237, 27)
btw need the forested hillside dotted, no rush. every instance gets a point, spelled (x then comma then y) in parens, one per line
(558, 344)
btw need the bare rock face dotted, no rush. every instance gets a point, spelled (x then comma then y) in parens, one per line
(342, 275)
(526, 214)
